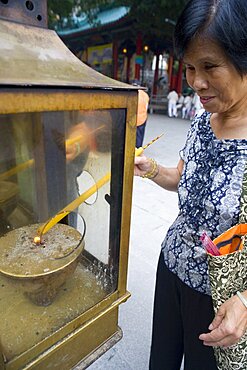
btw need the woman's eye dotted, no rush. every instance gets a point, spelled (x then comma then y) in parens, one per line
(209, 66)
(190, 68)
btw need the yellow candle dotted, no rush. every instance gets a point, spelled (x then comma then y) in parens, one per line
(77, 139)
(73, 205)
(140, 150)
(16, 169)
(30, 162)
(74, 140)
(84, 196)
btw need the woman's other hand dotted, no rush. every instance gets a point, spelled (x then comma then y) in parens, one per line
(228, 326)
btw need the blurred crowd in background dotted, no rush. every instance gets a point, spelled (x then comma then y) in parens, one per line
(183, 106)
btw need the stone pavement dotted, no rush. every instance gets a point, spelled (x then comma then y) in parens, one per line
(153, 210)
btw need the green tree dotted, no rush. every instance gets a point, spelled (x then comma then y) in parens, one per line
(149, 14)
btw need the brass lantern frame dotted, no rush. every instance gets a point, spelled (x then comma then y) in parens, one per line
(79, 338)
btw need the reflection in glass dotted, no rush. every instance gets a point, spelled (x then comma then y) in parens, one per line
(48, 159)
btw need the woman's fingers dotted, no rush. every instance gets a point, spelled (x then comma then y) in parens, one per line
(228, 326)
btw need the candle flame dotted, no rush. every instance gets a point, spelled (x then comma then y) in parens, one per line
(37, 240)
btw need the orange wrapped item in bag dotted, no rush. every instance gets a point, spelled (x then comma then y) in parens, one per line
(231, 240)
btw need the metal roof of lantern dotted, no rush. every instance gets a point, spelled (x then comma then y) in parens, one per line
(34, 56)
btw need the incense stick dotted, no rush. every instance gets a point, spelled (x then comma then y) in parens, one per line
(140, 150)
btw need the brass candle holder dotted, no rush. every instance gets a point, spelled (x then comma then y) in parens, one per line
(39, 270)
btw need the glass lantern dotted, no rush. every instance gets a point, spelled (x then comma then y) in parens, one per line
(67, 138)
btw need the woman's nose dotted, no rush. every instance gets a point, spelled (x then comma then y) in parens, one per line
(200, 82)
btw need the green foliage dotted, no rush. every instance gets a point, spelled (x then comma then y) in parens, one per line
(149, 14)
(57, 10)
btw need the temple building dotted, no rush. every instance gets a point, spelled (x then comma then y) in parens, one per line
(115, 45)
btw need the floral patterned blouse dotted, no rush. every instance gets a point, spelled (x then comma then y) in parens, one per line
(209, 196)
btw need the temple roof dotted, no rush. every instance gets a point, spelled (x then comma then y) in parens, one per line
(105, 17)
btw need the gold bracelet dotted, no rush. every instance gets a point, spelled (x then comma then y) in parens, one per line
(154, 170)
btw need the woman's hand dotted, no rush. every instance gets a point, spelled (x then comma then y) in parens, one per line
(78, 141)
(228, 326)
(167, 178)
(142, 165)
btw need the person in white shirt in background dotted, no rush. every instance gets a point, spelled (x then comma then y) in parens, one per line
(180, 103)
(197, 105)
(172, 98)
(187, 106)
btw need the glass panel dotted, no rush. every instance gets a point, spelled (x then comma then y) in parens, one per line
(66, 163)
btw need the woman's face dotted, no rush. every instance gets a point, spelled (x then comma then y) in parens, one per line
(213, 77)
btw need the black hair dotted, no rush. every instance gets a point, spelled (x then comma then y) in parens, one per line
(222, 21)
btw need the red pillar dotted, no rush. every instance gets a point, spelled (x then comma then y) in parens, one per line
(173, 85)
(115, 59)
(156, 74)
(170, 67)
(180, 77)
(138, 53)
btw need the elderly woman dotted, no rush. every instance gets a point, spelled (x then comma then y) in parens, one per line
(211, 36)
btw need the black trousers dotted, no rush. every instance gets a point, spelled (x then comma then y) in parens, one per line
(140, 131)
(181, 314)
